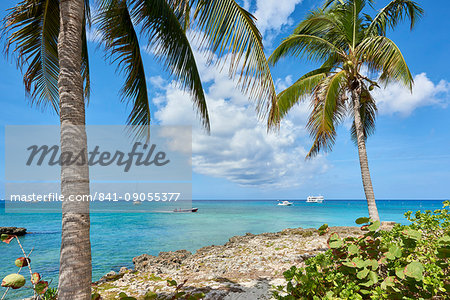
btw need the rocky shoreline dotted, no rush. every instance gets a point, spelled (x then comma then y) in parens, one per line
(246, 267)
(19, 231)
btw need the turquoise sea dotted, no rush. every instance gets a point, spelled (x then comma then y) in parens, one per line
(118, 237)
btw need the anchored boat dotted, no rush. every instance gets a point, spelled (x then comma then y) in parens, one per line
(284, 203)
(314, 199)
(195, 209)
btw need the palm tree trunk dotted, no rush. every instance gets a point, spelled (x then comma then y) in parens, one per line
(75, 270)
(363, 161)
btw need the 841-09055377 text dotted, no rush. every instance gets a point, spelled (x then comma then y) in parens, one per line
(99, 196)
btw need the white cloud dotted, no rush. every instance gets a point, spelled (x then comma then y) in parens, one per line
(239, 147)
(273, 15)
(93, 35)
(397, 99)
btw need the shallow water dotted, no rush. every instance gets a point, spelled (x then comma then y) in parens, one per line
(118, 237)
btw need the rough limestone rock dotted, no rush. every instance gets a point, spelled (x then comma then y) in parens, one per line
(162, 263)
(245, 267)
(13, 230)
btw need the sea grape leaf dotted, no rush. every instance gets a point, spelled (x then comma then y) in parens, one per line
(373, 278)
(35, 278)
(388, 282)
(359, 262)
(445, 240)
(171, 282)
(374, 226)
(323, 227)
(14, 281)
(349, 264)
(335, 241)
(372, 263)
(336, 244)
(395, 251)
(96, 296)
(400, 273)
(363, 273)
(124, 296)
(7, 238)
(362, 220)
(414, 270)
(196, 296)
(41, 287)
(412, 234)
(22, 262)
(353, 249)
(443, 252)
(383, 260)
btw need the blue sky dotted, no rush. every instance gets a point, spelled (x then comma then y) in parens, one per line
(409, 154)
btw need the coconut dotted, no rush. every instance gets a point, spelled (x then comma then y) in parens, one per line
(14, 281)
(348, 65)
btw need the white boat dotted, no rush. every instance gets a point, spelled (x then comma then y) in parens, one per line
(314, 199)
(284, 203)
(137, 202)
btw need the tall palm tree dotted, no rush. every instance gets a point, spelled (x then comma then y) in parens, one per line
(355, 55)
(49, 38)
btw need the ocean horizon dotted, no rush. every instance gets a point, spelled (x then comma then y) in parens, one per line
(118, 237)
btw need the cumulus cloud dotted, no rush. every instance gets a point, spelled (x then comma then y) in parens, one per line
(93, 35)
(397, 99)
(239, 147)
(273, 15)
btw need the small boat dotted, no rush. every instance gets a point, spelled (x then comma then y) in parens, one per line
(314, 199)
(195, 209)
(137, 202)
(284, 203)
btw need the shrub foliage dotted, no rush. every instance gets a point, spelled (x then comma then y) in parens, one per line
(407, 262)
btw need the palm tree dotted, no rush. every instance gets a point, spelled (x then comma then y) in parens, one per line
(351, 46)
(49, 38)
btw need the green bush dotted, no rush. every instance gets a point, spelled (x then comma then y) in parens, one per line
(15, 280)
(407, 262)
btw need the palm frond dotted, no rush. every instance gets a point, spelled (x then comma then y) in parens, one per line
(331, 3)
(326, 25)
(383, 55)
(85, 61)
(87, 14)
(328, 111)
(168, 38)
(300, 90)
(122, 45)
(230, 29)
(32, 28)
(182, 9)
(368, 111)
(313, 47)
(394, 13)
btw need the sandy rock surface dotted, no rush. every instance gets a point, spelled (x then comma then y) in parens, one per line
(246, 267)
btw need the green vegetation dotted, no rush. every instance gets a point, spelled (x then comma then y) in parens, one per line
(178, 293)
(407, 262)
(15, 281)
